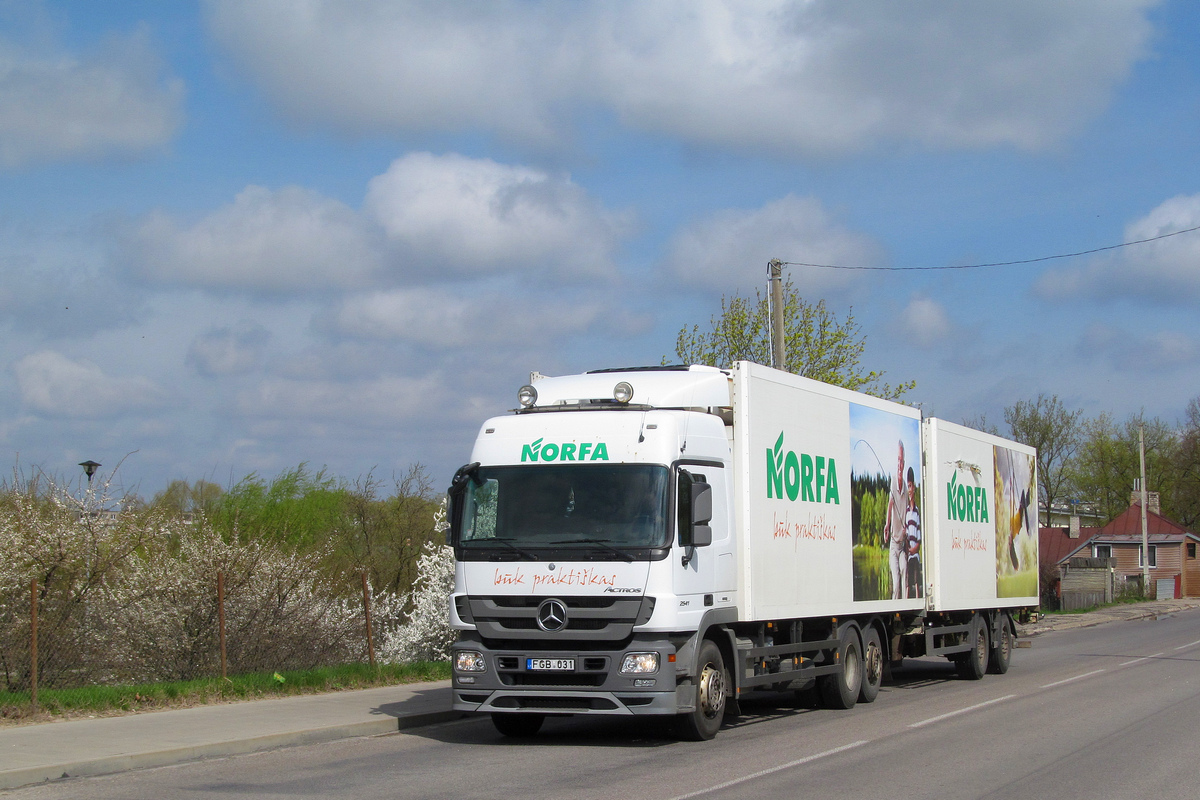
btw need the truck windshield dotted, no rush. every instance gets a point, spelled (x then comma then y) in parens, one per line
(567, 506)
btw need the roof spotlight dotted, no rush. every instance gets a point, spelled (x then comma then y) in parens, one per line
(526, 396)
(623, 392)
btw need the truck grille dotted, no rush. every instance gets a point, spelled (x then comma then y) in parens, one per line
(588, 618)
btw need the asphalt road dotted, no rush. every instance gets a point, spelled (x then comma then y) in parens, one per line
(1104, 712)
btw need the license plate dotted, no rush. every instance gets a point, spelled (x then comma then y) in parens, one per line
(550, 664)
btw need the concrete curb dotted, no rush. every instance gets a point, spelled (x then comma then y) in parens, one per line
(1151, 610)
(24, 776)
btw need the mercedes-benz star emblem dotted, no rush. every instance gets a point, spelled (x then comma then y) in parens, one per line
(552, 615)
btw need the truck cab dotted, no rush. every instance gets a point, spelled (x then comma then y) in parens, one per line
(593, 539)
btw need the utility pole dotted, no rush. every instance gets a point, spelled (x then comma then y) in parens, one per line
(1145, 535)
(775, 279)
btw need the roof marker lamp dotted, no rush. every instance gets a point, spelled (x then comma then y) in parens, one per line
(623, 392)
(527, 396)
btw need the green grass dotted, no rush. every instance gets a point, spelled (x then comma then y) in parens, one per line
(1119, 600)
(107, 700)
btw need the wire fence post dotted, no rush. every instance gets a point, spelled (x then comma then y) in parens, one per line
(367, 616)
(33, 643)
(221, 619)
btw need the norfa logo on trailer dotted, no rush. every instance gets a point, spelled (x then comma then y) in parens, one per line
(966, 503)
(567, 451)
(812, 479)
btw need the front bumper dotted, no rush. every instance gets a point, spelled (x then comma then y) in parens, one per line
(595, 686)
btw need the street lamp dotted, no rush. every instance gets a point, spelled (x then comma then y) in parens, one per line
(89, 467)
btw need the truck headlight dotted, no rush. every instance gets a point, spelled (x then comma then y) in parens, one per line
(469, 661)
(639, 664)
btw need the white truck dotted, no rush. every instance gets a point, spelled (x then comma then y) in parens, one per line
(662, 540)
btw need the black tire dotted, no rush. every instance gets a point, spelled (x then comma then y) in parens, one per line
(841, 689)
(518, 726)
(712, 682)
(1002, 647)
(873, 661)
(973, 664)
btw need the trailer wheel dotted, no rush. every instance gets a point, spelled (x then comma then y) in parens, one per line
(1001, 654)
(873, 663)
(841, 689)
(973, 664)
(705, 719)
(518, 726)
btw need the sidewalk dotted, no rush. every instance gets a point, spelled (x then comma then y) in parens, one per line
(34, 753)
(1116, 613)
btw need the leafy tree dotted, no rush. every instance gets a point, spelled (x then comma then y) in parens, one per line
(181, 497)
(980, 422)
(386, 535)
(299, 508)
(1107, 462)
(817, 343)
(1186, 498)
(1048, 425)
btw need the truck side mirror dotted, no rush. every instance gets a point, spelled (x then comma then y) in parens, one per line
(701, 514)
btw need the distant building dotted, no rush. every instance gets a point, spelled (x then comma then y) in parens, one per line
(1172, 557)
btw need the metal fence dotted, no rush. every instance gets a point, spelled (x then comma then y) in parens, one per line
(52, 641)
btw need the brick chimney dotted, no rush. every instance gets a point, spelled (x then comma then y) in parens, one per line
(1152, 503)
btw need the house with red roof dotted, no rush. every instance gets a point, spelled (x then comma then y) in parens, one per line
(1173, 562)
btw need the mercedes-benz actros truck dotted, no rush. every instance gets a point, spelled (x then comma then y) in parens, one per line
(663, 540)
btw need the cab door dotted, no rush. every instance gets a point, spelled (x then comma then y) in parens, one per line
(704, 576)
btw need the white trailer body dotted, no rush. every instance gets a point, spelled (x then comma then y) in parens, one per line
(982, 518)
(661, 540)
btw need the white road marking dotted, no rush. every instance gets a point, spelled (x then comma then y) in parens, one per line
(798, 762)
(961, 711)
(1186, 646)
(1136, 660)
(1077, 677)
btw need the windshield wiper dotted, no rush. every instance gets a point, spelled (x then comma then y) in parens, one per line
(519, 551)
(619, 553)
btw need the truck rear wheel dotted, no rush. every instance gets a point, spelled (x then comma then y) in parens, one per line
(872, 666)
(841, 689)
(705, 719)
(518, 726)
(1001, 648)
(973, 664)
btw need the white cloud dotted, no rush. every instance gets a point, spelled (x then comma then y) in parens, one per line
(729, 250)
(1159, 351)
(290, 240)
(923, 323)
(792, 76)
(57, 107)
(443, 319)
(1164, 270)
(471, 216)
(365, 403)
(228, 351)
(428, 217)
(52, 384)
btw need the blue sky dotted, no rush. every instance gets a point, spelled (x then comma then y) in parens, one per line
(239, 236)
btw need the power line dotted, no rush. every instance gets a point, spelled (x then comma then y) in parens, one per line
(999, 263)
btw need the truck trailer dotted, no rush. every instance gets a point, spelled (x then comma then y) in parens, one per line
(663, 540)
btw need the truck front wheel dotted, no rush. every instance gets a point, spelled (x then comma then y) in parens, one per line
(841, 689)
(705, 719)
